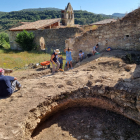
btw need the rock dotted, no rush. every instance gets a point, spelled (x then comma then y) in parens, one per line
(82, 121)
(138, 107)
(90, 76)
(126, 84)
(60, 86)
(79, 137)
(36, 65)
(86, 136)
(8, 71)
(112, 96)
(136, 74)
(129, 90)
(89, 83)
(127, 80)
(98, 84)
(49, 95)
(127, 68)
(100, 91)
(69, 83)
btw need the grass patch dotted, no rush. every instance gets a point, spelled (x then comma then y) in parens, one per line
(12, 58)
(88, 28)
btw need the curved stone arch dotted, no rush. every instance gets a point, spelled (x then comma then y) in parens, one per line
(74, 99)
(42, 43)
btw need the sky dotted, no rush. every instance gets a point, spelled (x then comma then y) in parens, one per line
(107, 7)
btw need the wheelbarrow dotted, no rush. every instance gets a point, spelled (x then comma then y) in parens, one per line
(45, 64)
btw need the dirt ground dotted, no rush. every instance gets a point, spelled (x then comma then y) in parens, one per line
(37, 85)
(87, 124)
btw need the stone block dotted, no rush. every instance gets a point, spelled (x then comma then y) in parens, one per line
(138, 107)
(96, 33)
(127, 45)
(138, 98)
(112, 96)
(104, 42)
(138, 102)
(100, 91)
(106, 36)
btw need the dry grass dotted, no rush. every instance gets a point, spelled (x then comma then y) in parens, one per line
(88, 28)
(12, 59)
(77, 34)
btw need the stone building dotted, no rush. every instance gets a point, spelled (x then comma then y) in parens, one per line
(68, 16)
(123, 34)
(49, 34)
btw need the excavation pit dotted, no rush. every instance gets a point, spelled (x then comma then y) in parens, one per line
(87, 123)
(107, 83)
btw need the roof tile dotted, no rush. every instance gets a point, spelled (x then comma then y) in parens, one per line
(35, 25)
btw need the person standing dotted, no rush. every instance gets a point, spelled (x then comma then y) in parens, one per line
(68, 57)
(54, 61)
(94, 49)
(8, 84)
(61, 61)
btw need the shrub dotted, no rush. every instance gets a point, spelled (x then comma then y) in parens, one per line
(4, 40)
(25, 40)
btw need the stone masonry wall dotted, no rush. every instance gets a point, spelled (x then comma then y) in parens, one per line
(54, 38)
(123, 34)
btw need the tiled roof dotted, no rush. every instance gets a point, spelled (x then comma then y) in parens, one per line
(104, 21)
(35, 25)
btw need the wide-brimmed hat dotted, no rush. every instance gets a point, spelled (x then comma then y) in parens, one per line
(1, 70)
(57, 51)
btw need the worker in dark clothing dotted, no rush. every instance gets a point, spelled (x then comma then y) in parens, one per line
(8, 84)
(54, 61)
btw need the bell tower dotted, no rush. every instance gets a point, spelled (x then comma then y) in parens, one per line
(67, 16)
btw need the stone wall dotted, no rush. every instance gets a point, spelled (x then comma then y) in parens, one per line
(123, 34)
(54, 38)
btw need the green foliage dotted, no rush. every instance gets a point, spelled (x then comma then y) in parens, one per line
(4, 40)
(25, 40)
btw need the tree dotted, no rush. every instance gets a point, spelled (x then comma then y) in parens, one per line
(25, 40)
(4, 40)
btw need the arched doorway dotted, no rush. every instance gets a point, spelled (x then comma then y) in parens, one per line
(42, 43)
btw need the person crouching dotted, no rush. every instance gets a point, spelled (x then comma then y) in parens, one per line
(54, 61)
(81, 56)
(94, 49)
(8, 84)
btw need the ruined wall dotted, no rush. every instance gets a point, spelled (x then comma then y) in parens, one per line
(123, 34)
(54, 38)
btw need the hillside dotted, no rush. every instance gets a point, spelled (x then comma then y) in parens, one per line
(41, 9)
(118, 15)
(10, 19)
